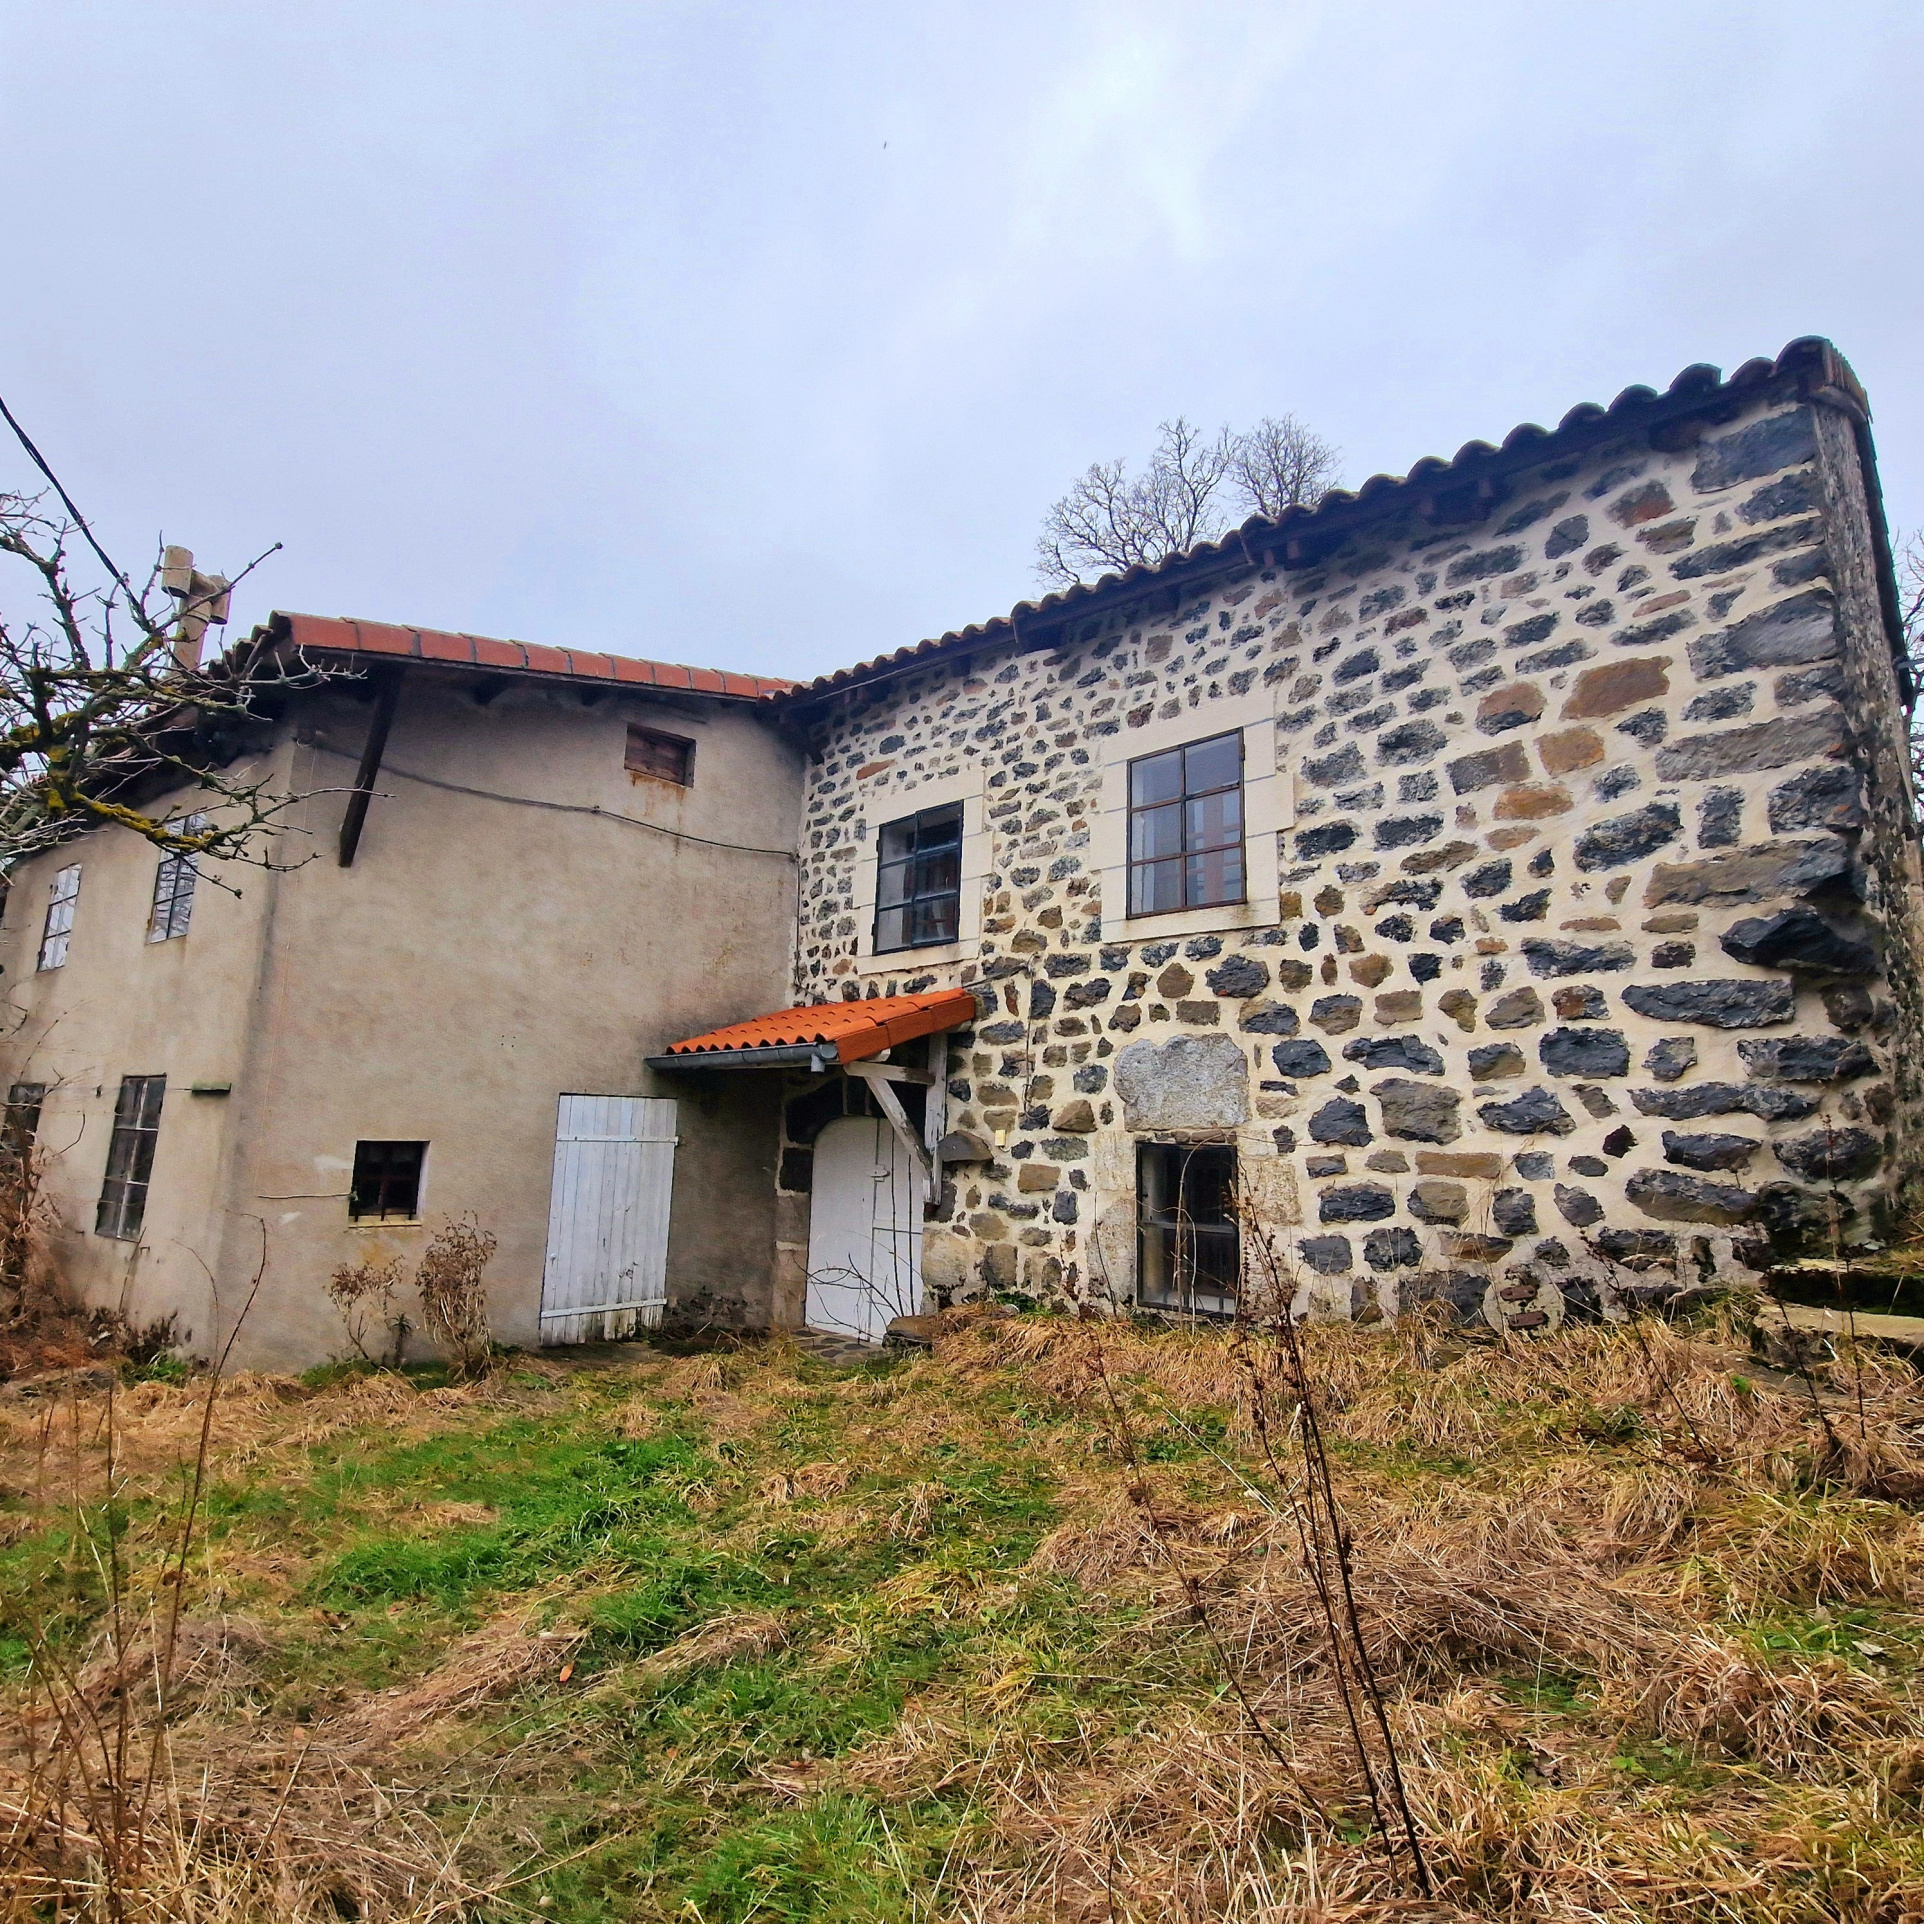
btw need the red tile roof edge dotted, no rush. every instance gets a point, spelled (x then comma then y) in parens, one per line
(857, 1029)
(342, 635)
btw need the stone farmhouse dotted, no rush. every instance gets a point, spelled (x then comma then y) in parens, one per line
(1498, 884)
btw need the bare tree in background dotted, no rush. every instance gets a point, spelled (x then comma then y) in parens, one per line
(1910, 596)
(105, 704)
(1194, 489)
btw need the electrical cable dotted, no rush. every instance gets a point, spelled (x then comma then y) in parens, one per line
(561, 808)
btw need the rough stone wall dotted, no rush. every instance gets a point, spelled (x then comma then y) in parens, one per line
(1575, 966)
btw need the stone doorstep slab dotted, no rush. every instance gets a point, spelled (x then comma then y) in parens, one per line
(1905, 1330)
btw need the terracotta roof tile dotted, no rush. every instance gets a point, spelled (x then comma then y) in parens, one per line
(335, 635)
(857, 1029)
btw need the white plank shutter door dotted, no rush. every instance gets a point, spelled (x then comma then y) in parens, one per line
(607, 1266)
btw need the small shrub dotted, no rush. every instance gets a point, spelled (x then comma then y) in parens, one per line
(454, 1300)
(363, 1292)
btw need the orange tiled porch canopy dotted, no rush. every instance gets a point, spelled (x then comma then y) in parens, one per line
(822, 1034)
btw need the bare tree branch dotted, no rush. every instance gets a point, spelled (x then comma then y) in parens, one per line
(1910, 602)
(1194, 489)
(105, 707)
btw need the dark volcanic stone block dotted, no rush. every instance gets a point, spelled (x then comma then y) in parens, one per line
(1807, 1058)
(1408, 742)
(1778, 441)
(1239, 977)
(1491, 879)
(1832, 1155)
(1327, 838)
(1760, 745)
(1577, 1207)
(1362, 1202)
(1268, 1018)
(1506, 763)
(1716, 1005)
(1494, 1059)
(1822, 797)
(1535, 1112)
(1709, 1151)
(1671, 1058)
(1340, 1120)
(1515, 1212)
(1404, 831)
(1792, 634)
(1624, 1243)
(1335, 1013)
(1627, 838)
(1395, 1052)
(1673, 1197)
(1325, 771)
(1797, 939)
(1518, 1009)
(1764, 1100)
(1302, 1057)
(1758, 873)
(1584, 1052)
(1392, 1249)
(1327, 1255)
(1576, 958)
(1418, 1112)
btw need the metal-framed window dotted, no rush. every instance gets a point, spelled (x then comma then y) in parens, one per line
(1186, 827)
(918, 882)
(174, 883)
(1188, 1247)
(669, 758)
(21, 1123)
(387, 1182)
(130, 1158)
(62, 894)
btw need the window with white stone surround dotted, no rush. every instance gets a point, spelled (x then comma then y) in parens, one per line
(1234, 879)
(891, 875)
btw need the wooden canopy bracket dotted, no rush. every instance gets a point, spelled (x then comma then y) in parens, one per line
(386, 699)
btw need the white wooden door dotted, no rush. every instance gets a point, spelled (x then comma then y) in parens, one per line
(607, 1267)
(864, 1230)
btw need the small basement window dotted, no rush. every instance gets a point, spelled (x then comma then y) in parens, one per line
(130, 1158)
(61, 897)
(387, 1182)
(668, 758)
(1188, 1249)
(22, 1121)
(918, 883)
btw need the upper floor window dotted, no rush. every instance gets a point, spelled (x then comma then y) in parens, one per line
(387, 1181)
(61, 897)
(174, 883)
(1186, 827)
(130, 1158)
(918, 884)
(669, 758)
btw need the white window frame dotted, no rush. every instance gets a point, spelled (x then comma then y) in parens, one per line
(63, 892)
(890, 803)
(172, 868)
(1268, 808)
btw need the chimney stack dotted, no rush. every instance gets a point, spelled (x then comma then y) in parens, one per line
(202, 598)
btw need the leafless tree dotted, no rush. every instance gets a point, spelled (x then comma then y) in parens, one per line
(106, 708)
(1194, 489)
(1910, 597)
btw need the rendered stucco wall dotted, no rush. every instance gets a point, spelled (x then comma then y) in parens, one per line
(485, 953)
(1598, 850)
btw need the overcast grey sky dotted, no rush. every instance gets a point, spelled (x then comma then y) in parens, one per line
(760, 336)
